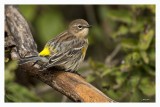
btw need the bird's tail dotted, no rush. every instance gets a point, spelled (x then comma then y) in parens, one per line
(29, 59)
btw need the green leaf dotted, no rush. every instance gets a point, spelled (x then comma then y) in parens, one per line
(144, 57)
(145, 40)
(151, 55)
(136, 96)
(149, 70)
(106, 71)
(147, 86)
(133, 58)
(120, 79)
(10, 67)
(122, 15)
(112, 94)
(152, 8)
(122, 30)
(17, 93)
(129, 44)
(90, 78)
(125, 67)
(134, 80)
(136, 27)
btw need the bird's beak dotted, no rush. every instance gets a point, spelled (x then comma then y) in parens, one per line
(88, 26)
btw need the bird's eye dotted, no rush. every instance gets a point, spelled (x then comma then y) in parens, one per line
(79, 26)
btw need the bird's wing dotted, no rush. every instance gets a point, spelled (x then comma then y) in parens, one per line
(62, 43)
(61, 58)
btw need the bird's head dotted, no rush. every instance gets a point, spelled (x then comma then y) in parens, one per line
(79, 28)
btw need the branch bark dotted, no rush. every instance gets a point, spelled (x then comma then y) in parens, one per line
(21, 42)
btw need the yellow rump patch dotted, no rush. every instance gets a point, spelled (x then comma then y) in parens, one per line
(45, 51)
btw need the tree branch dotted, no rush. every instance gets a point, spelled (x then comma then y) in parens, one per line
(21, 42)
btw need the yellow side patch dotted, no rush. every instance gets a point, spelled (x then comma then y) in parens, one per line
(83, 52)
(45, 51)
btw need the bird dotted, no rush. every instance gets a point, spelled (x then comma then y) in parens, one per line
(67, 50)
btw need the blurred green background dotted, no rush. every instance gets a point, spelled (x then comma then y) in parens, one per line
(120, 60)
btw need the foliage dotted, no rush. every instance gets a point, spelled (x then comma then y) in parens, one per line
(12, 89)
(120, 59)
(133, 79)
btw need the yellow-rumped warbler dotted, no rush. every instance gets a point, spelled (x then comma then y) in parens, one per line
(67, 50)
